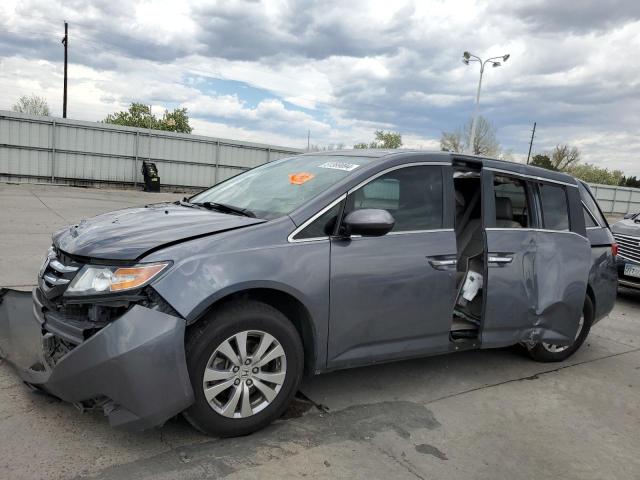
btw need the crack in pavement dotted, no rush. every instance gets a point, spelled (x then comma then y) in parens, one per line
(48, 207)
(535, 376)
(612, 340)
(405, 464)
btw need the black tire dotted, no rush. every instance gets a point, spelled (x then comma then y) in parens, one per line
(540, 354)
(209, 333)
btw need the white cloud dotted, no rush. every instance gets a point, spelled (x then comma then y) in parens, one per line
(342, 70)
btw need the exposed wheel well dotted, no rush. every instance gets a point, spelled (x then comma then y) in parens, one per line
(290, 306)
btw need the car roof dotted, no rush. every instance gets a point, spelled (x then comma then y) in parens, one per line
(439, 156)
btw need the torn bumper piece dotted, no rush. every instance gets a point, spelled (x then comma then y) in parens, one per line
(136, 365)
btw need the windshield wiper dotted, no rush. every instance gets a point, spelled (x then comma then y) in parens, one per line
(226, 208)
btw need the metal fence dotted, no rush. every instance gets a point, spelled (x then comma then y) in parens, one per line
(76, 152)
(614, 199)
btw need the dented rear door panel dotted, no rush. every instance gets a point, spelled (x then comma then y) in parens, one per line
(539, 294)
(511, 295)
(561, 272)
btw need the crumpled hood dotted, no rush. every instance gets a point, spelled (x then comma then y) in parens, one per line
(626, 227)
(130, 233)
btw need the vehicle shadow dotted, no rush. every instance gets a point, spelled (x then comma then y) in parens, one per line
(420, 380)
(355, 403)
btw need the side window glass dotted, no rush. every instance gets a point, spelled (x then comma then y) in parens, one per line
(512, 206)
(588, 200)
(555, 212)
(588, 219)
(383, 194)
(413, 195)
(322, 226)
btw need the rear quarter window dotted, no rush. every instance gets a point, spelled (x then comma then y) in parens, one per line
(592, 207)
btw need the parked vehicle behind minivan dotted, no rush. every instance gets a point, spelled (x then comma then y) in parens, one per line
(627, 234)
(216, 306)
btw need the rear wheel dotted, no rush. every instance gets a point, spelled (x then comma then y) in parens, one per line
(546, 352)
(245, 363)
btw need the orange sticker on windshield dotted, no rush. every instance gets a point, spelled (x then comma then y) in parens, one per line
(299, 178)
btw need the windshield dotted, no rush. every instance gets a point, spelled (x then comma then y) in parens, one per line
(278, 188)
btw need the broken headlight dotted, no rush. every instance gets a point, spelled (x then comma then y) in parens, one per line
(98, 279)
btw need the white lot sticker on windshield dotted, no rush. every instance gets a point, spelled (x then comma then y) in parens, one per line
(347, 167)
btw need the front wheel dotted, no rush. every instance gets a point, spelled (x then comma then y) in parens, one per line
(546, 352)
(245, 362)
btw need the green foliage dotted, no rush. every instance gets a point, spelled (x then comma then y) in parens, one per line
(383, 140)
(32, 105)
(140, 115)
(629, 182)
(567, 159)
(592, 174)
(176, 121)
(542, 161)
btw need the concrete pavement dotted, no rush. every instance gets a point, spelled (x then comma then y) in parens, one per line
(485, 414)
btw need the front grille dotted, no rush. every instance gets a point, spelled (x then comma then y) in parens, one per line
(59, 269)
(628, 247)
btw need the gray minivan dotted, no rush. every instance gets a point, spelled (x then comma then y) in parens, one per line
(216, 306)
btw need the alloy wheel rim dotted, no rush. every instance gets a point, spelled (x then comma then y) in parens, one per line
(549, 347)
(244, 374)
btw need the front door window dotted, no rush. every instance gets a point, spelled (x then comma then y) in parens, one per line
(413, 195)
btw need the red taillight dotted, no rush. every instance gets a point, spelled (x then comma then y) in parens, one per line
(614, 249)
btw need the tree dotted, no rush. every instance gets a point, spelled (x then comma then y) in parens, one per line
(567, 159)
(564, 156)
(592, 174)
(383, 140)
(176, 121)
(452, 142)
(485, 142)
(542, 161)
(32, 105)
(629, 182)
(140, 115)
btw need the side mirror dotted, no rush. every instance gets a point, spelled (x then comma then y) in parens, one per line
(369, 222)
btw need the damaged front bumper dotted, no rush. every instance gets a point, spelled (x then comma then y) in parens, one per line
(135, 367)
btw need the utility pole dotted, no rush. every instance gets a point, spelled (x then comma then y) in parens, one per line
(533, 132)
(65, 42)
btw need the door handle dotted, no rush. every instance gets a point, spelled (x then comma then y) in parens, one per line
(499, 259)
(440, 263)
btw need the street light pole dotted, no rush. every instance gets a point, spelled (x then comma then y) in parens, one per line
(466, 59)
(476, 109)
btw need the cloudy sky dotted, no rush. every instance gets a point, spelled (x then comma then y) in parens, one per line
(271, 71)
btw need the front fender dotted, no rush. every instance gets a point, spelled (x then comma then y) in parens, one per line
(206, 303)
(201, 278)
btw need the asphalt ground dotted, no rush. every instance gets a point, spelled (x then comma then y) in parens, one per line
(488, 414)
